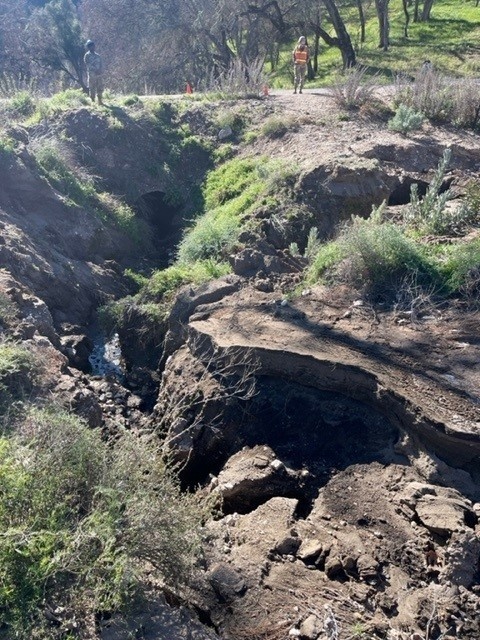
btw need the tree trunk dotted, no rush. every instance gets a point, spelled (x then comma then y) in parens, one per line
(361, 15)
(407, 17)
(343, 40)
(427, 8)
(416, 11)
(316, 43)
(383, 23)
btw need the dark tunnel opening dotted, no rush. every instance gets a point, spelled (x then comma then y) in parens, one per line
(402, 192)
(164, 220)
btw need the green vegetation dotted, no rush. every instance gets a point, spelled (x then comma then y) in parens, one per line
(449, 40)
(22, 104)
(77, 187)
(230, 192)
(79, 541)
(381, 257)
(17, 371)
(406, 120)
(430, 214)
(276, 127)
(59, 102)
(371, 254)
(80, 189)
(165, 282)
(7, 148)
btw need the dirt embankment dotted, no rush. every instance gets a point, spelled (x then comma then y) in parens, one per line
(342, 438)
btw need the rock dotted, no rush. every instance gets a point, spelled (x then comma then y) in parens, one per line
(461, 559)
(310, 550)
(440, 509)
(349, 564)
(226, 581)
(311, 628)
(368, 568)
(334, 567)
(253, 476)
(78, 348)
(225, 133)
(287, 546)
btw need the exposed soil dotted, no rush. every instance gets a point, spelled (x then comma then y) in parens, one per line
(341, 437)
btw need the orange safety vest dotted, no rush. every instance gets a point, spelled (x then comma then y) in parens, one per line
(300, 56)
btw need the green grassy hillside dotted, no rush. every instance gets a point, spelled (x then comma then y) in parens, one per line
(451, 40)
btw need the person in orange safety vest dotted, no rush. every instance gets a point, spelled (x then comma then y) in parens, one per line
(300, 58)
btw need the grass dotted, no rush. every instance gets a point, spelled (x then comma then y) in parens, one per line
(165, 282)
(230, 191)
(58, 103)
(17, 372)
(80, 189)
(449, 40)
(79, 541)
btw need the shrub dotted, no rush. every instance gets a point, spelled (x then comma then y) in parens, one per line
(466, 103)
(22, 104)
(165, 282)
(79, 541)
(406, 120)
(241, 79)
(430, 215)
(372, 255)
(17, 368)
(461, 269)
(276, 127)
(352, 89)
(430, 93)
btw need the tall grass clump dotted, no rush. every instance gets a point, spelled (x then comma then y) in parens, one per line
(59, 102)
(370, 255)
(7, 150)
(17, 371)
(78, 542)
(55, 165)
(22, 104)
(230, 191)
(354, 88)
(162, 284)
(460, 266)
(242, 79)
(60, 169)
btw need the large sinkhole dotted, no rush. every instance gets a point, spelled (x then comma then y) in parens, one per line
(313, 432)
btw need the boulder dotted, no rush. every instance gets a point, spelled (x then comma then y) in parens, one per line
(461, 559)
(311, 628)
(226, 581)
(252, 476)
